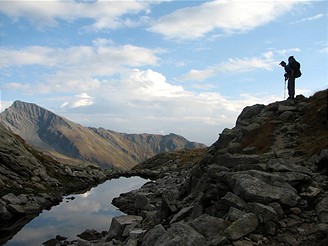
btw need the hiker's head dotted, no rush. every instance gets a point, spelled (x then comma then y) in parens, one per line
(282, 63)
(291, 59)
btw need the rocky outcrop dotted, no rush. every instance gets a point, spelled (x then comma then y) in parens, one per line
(31, 182)
(264, 182)
(70, 142)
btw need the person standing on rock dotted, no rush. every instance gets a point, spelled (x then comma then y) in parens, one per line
(287, 75)
(292, 71)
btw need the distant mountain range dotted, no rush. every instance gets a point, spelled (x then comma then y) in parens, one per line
(73, 143)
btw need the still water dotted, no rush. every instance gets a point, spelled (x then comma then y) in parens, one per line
(91, 210)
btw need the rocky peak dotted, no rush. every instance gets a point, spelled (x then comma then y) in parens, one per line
(291, 127)
(20, 112)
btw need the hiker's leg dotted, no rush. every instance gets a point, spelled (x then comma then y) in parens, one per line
(291, 87)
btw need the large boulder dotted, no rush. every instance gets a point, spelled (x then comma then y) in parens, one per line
(253, 189)
(322, 210)
(181, 234)
(119, 223)
(152, 235)
(248, 113)
(239, 228)
(209, 226)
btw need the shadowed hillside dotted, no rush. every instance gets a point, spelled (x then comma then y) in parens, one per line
(31, 182)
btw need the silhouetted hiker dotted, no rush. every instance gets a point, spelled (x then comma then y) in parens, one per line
(292, 71)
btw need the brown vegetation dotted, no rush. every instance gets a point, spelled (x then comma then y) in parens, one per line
(314, 137)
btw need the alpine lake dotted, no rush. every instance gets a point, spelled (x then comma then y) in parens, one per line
(76, 213)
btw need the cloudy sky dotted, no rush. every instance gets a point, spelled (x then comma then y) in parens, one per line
(187, 67)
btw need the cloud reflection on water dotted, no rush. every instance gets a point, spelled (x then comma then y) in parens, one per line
(91, 210)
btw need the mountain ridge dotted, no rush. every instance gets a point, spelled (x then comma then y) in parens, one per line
(69, 141)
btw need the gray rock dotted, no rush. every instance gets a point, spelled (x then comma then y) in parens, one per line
(239, 228)
(287, 239)
(32, 208)
(131, 242)
(270, 228)
(228, 160)
(287, 115)
(180, 234)
(182, 214)
(5, 215)
(292, 178)
(120, 222)
(168, 204)
(283, 108)
(252, 127)
(250, 188)
(136, 233)
(225, 138)
(234, 214)
(264, 213)
(278, 209)
(128, 229)
(16, 209)
(322, 160)
(248, 113)
(310, 192)
(232, 200)
(141, 201)
(23, 198)
(209, 226)
(152, 235)
(89, 235)
(11, 198)
(280, 165)
(322, 210)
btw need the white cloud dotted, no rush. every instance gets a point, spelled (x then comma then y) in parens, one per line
(235, 65)
(105, 14)
(33, 55)
(287, 52)
(227, 16)
(311, 18)
(4, 105)
(103, 54)
(17, 86)
(324, 50)
(81, 100)
(76, 68)
(152, 84)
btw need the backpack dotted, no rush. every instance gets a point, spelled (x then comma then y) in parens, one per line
(296, 66)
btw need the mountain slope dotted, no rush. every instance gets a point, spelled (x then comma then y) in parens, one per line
(65, 139)
(299, 125)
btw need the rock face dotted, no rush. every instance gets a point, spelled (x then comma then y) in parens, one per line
(264, 182)
(31, 182)
(66, 140)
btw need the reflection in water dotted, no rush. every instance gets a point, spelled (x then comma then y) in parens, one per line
(91, 210)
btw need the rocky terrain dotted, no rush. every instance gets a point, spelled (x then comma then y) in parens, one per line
(31, 182)
(264, 182)
(71, 143)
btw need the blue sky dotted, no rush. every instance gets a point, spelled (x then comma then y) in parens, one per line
(187, 67)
